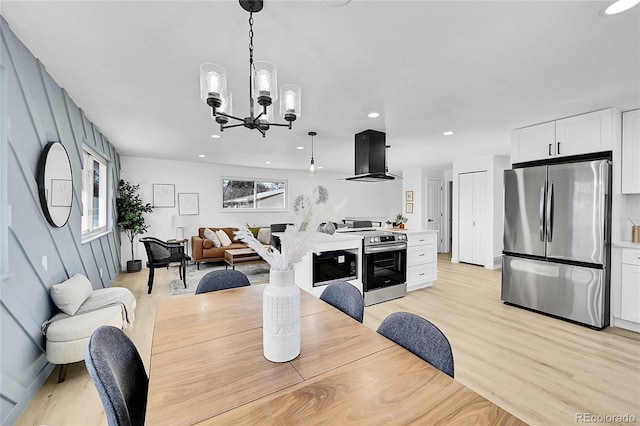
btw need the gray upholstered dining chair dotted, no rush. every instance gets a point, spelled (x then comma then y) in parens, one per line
(222, 280)
(346, 297)
(118, 373)
(420, 337)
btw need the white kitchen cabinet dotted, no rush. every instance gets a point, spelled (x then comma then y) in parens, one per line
(581, 134)
(631, 152)
(630, 286)
(422, 259)
(625, 288)
(472, 223)
(533, 142)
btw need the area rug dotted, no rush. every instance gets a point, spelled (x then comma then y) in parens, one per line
(258, 273)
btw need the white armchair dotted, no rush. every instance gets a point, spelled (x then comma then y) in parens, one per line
(83, 310)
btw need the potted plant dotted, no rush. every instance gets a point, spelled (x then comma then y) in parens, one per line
(400, 220)
(130, 217)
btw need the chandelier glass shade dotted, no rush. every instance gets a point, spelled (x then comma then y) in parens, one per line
(263, 90)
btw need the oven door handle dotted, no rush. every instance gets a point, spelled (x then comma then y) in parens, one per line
(386, 248)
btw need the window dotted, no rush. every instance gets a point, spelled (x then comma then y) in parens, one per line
(253, 194)
(94, 195)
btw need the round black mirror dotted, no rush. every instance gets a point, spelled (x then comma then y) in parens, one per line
(55, 184)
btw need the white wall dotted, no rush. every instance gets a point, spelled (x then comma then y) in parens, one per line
(494, 208)
(412, 181)
(366, 199)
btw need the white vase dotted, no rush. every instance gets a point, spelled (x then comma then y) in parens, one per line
(281, 317)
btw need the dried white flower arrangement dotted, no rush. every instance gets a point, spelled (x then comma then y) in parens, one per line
(298, 239)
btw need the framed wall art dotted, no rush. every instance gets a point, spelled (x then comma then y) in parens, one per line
(408, 196)
(408, 207)
(188, 204)
(164, 195)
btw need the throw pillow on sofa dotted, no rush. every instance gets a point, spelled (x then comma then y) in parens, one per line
(223, 237)
(70, 294)
(211, 235)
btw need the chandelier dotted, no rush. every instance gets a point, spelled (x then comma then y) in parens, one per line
(262, 89)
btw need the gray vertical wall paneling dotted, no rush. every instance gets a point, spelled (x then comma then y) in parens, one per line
(66, 239)
(39, 112)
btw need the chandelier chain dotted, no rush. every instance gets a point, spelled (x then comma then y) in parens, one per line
(251, 38)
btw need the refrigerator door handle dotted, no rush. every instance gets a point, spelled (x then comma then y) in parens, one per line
(542, 213)
(549, 215)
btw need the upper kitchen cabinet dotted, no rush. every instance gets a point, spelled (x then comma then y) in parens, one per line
(533, 142)
(581, 134)
(631, 152)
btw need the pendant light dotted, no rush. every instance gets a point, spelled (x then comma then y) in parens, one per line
(312, 166)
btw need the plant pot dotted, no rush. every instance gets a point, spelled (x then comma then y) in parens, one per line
(134, 265)
(401, 226)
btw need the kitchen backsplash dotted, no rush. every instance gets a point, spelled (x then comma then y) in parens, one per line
(633, 214)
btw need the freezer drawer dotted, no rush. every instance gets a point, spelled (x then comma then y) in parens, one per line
(573, 292)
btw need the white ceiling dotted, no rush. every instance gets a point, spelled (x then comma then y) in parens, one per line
(480, 68)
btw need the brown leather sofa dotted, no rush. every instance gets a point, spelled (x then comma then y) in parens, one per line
(203, 250)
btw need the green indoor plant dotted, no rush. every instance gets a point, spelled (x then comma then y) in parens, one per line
(130, 217)
(400, 220)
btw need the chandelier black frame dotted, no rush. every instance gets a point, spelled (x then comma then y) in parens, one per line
(262, 89)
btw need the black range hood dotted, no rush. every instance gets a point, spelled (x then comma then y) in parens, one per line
(371, 152)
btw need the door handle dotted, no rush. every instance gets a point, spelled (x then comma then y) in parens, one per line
(550, 154)
(558, 151)
(542, 196)
(429, 220)
(549, 214)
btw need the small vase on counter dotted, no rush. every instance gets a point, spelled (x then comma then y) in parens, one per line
(281, 317)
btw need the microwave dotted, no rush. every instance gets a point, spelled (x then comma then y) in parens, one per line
(337, 265)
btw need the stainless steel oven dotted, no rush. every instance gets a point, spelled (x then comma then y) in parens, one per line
(384, 265)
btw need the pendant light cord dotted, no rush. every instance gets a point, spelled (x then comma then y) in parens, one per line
(251, 65)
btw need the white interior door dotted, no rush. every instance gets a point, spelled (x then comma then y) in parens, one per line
(465, 234)
(434, 208)
(479, 227)
(472, 196)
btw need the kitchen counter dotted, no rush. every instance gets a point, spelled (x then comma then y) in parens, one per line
(626, 244)
(422, 257)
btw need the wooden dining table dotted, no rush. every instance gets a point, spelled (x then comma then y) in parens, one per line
(207, 367)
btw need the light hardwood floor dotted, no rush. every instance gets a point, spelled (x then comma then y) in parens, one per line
(543, 370)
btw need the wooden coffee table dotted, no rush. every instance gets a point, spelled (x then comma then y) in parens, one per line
(241, 256)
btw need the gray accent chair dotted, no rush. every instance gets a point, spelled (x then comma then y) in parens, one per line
(420, 337)
(222, 280)
(346, 297)
(118, 373)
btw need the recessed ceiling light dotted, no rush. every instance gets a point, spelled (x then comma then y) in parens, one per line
(202, 156)
(216, 136)
(620, 6)
(299, 147)
(373, 115)
(267, 162)
(447, 133)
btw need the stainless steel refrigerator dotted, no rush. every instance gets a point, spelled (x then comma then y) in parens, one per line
(556, 240)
